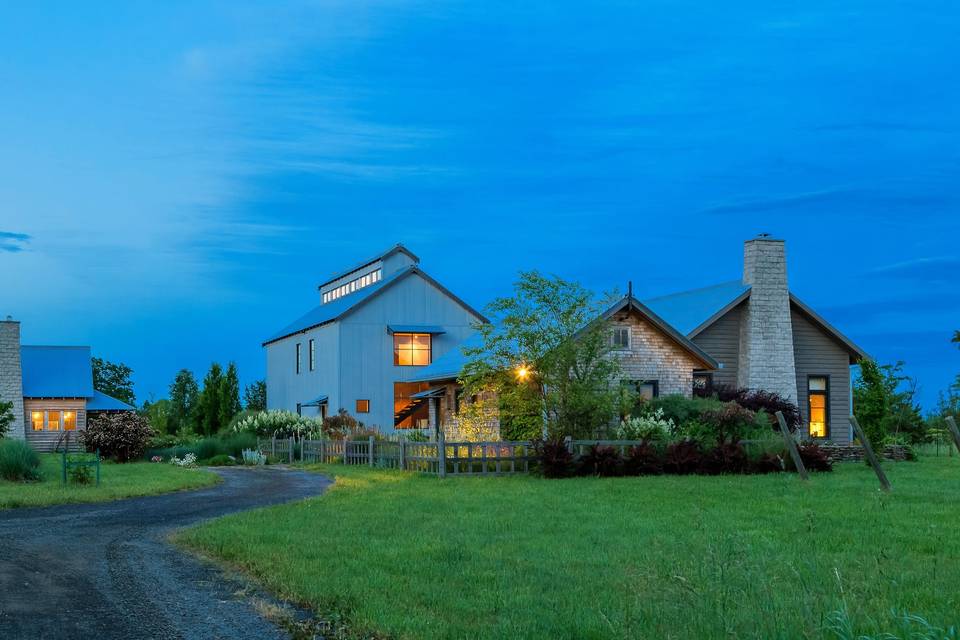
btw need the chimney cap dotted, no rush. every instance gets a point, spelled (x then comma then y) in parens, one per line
(765, 237)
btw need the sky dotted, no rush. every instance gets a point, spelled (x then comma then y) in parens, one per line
(176, 178)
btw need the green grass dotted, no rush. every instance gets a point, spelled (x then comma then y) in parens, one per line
(411, 556)
(116, 481)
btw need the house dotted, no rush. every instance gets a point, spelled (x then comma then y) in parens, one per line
(376, 326)
(51, 389)
(751, 333)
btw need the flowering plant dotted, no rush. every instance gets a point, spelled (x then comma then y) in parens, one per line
(653, 427)
(280, 423)
(189, 460)
(156, 459)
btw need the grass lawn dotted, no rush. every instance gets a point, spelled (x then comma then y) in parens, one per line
(410, 556)
(116, 481)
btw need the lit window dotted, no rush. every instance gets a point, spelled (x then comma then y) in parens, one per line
(620, 338)
(363, 406)
(69, 420)
(818, 394)
(53, 421)
(299, 356)
(411, 349)
(36, 419)
(313, 355)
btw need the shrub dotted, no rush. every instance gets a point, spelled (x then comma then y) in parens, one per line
(814, 458)
(362, 434)
(122, 436)
(678, 409)
(768, 463)
(728, 423)
(253, 457)
(416, 435)
(189, 460)
(18, 461)
(643, 460)
(682, 457)
(221, 460)
(556, 460)
(81, 474)
(6, 417)
(601, 461)
(652, 427)
(283, 424)
(757, 400)
(728, 457)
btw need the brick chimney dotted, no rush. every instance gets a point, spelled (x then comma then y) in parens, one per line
(11, 375)
(766, 332)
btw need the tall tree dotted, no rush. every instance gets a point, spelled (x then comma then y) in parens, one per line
(209, 402)
(158, 414)
(255, 396)
(113, 379)
(6, 417)
(184, 398)
(883, 400)
(229, 395)
(547, 347)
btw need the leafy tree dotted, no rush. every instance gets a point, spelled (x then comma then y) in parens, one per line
(546, 357)
(208, 404)
(6, 417)
(883, 400)
(184, 401)
(159, 415)
(123, 435)
(229, 395)
(113, 379)
(255, 396)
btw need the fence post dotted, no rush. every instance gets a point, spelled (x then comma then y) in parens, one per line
(568, 440)
(871, 456)
(403, 465)
(952, 425)
(441, 454)
(273, 445)
(792, 446)
(346, 448)
(370, 452)
(290, 449)
(323, 450)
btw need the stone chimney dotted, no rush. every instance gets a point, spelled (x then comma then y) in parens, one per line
(766, 332)
(11, 375)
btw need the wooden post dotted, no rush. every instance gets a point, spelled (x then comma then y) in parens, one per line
(952, 425)
(441, 454)
(323, 450)
(792, 447)
(403, 462)
(290, 450)
(370, 452)
(346, 448)
(871, 456)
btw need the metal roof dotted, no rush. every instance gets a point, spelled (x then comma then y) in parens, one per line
(366, 263)
(415, 328)
(103, 402)
(449, 365)
(686, 311)
(316, 402)
(56, 372)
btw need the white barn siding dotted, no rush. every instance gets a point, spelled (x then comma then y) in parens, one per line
(285, 388)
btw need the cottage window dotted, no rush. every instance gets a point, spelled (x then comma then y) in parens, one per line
(69, 420)
(646, 389)
(702, 384)
(299, 357)
(363, 406)
(818, 395)
(36, 419)
(53, 421)
(313, 355)
(411, 349)
(620, 338)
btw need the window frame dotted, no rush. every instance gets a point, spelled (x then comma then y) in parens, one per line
(616, 329)
(636, 384)
(826, 404)
(366, 404)
(63, 419)
(59, 413)
(704, 375)
(299, 358)
(43, 420)
(412, 350)
(312, 354)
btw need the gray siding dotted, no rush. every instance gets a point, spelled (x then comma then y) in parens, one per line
(816, 353)
(285, 388)
(45, 440)
(367, 371)
(722, 341)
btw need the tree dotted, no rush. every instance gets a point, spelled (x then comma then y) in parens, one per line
(545, 357)
(883, 400)
(158, 415)
(113, 379)
(6, 417)
(229, 395)
(208, 404)
(184, 397)
(121, 435)
(255, 396)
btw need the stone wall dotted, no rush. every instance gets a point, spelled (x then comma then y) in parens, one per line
(854, 453)
(11, 375)
(654, 356)
(766, 330)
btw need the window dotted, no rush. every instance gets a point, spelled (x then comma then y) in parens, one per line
(620, 339)
(351, 286)
(818, 401)
(69, 420)
(363, 406)
(702, 384)
(299, 409)
(411, 349)
(53, 421)
(299, 356)
(36, 419)
(313, 355)
(646, 389)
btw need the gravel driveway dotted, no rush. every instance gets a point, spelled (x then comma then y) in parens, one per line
(105, 570)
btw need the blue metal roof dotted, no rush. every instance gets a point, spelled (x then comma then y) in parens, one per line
(103, 402)
(316, 402)
(687, 310)
(56, 372)
(330, 311)
(380, 256)
(415, 328)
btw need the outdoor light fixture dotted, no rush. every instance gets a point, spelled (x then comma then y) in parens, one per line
(523, 373)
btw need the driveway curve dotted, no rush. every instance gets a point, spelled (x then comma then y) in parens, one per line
(106, 570)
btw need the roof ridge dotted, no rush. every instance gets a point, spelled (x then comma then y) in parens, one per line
(368, 261)
(55, 346)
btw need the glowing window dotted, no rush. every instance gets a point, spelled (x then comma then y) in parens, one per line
(53, 421)
(411, 349)
(36, 419)
(817, 403)
(69, 420)
(363, 406)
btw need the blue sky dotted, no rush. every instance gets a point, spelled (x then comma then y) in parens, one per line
(176, 178)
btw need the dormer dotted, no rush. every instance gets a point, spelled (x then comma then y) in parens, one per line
(368, 272)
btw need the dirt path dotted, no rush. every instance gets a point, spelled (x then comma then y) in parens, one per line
(105, 570)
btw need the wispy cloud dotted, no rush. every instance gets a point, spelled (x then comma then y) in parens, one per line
(13, 242)
(828, 199)
(933, 268)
